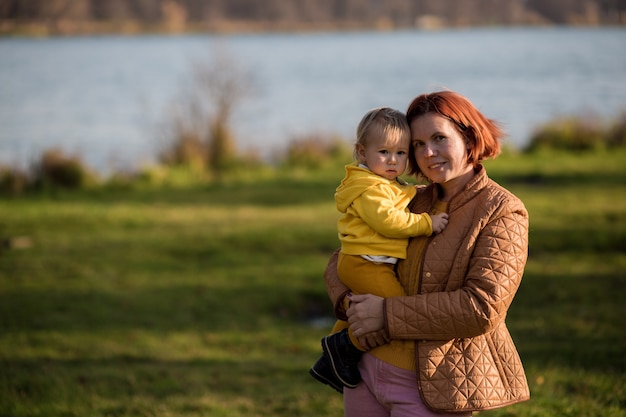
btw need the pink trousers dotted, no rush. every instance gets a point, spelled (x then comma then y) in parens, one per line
(387, 391)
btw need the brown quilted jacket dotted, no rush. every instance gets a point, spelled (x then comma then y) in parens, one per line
(466, 359)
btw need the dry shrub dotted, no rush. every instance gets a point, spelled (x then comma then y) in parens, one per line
(199, 123)
(570, 133)
(55, 169)
(617, 135)
(579, 134)
(187, 150)
(12, 181)
(315, 151)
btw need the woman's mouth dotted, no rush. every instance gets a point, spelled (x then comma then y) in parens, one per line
(435, 166)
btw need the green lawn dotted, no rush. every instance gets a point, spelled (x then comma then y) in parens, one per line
(209, 300)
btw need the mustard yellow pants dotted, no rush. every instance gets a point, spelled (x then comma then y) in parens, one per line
(366, 277)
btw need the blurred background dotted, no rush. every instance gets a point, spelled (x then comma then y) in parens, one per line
(166, 178)
(115, 82)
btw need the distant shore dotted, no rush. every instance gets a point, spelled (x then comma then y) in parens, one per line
(10, 28)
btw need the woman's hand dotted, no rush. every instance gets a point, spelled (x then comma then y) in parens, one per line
(373, 339)
(365, 314)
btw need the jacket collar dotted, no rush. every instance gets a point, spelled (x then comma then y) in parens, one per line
(472, 189)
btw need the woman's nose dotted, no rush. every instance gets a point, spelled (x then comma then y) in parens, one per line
(429, 150)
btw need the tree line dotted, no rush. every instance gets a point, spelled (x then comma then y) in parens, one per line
(128, 16)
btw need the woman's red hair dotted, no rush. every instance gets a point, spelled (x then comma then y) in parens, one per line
(481, 134)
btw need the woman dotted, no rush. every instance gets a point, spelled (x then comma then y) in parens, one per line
(449, 330)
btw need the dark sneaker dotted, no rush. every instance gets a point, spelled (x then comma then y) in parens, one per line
(344, 358)
(323, 372)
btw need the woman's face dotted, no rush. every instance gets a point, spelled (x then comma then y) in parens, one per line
(441, 152)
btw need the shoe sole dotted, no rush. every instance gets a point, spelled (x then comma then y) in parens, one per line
(325, 380)
(332, 362)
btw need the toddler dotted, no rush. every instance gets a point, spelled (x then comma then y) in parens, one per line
(373, 230)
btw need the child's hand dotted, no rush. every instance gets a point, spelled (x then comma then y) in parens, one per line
(440, 221)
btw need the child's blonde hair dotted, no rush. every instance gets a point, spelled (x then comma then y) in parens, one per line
(382, 121)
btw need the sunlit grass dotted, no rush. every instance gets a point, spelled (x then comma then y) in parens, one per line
(209, 301)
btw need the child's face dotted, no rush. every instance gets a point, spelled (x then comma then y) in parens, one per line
(385, 155)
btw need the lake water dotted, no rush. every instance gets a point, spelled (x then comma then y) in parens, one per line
(107, 98)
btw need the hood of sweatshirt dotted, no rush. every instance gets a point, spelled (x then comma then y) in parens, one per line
(356, 181)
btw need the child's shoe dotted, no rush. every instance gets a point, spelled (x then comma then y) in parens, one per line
(323, 372)
(344, 358)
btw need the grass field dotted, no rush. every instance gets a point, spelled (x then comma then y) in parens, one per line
(208, 300)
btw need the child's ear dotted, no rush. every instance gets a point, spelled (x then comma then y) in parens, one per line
(360, 153)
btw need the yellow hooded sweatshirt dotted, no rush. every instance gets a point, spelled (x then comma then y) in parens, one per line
(375, 218)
